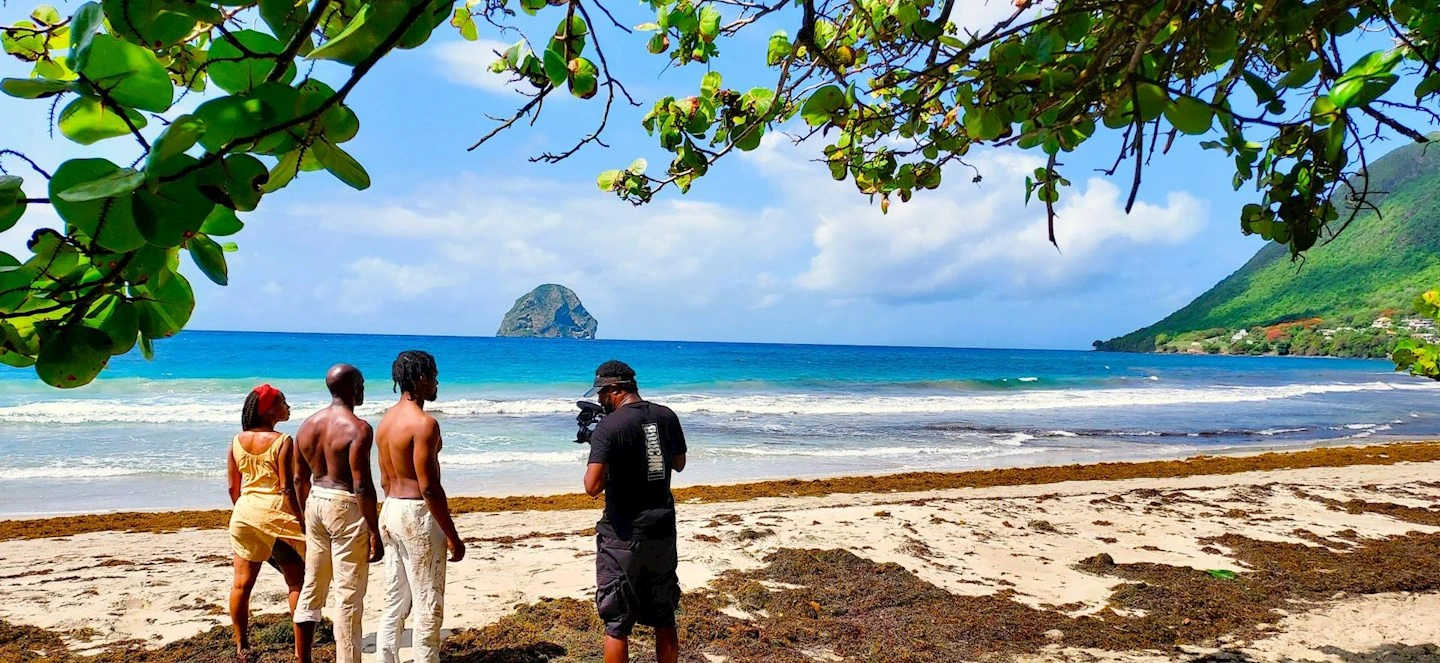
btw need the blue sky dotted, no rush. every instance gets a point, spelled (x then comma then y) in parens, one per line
(766, 248)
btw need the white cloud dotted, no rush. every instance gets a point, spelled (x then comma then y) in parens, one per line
(375, 281)
(962, 238)
(468, 63)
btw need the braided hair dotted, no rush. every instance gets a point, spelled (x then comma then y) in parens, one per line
(250, 415)
(411, 367)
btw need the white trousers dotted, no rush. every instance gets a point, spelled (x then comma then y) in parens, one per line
(415, 555)
(337, 549)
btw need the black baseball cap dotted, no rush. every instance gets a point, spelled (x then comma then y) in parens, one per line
(603, 382)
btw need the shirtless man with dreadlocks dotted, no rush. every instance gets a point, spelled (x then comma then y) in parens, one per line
(415, 522)
(342, 537)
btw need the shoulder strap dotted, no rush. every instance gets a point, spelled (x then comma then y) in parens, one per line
(275, 444)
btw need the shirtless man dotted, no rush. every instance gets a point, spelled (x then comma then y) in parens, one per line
(342, 534)
(415, 523)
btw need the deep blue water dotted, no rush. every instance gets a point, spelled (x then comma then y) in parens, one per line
(154, 434)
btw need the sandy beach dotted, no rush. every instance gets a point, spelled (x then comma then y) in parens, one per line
(1319, 555)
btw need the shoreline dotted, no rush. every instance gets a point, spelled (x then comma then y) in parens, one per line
(1224, 462)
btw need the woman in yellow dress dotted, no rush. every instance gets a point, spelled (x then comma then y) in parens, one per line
(263, 525)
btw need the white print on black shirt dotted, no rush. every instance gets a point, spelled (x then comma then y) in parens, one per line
(654, 458)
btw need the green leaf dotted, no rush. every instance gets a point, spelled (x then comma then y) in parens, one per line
(209, 257)
(284, 171)
(129, 74)
(583, 78)
(121, 322)
(341, 165)
(647, 27)
(1190, 115)
(1152, 101)
(164, 307)
(87, 19)
(229, 118)
(465, 23)
(1222, 574)
(118, 183)
(151, 23)
(34, 88)
(73, 357)
(87, 121)
(779, 49)
(659, 43)
(12, 207)
(822, 104)
(118, 231)
(608, 179)
(1365, 81)
(556, 69)
(235, 71)
(710, 84)
(709, 23)
(637, 167)
(1264, 94)
(1300, 75)
(221, 222)
(1427, 87)
(1323, 111)
(284, 17)
(236, 183)
(532, 6)
(352, 44)
(172, 212)
(147, 348)
(181, 135)
(1353, 92)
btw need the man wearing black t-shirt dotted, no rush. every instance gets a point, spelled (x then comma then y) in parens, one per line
(632, 451)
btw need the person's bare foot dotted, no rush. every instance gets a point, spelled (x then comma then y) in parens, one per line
(242, 655)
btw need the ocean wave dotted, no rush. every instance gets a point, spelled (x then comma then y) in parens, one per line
(68, 472)
(173, 410)
(497, 457)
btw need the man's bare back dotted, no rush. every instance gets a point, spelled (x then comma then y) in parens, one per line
(401, 429)
(331, 443)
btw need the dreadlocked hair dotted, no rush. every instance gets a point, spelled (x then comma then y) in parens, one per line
(250, 415)
(410, 367)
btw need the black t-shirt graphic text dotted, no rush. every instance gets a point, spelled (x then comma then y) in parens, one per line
(637, 443)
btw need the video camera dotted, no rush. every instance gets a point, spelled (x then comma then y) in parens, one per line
(590, 414)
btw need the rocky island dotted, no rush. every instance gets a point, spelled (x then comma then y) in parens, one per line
(549, 311)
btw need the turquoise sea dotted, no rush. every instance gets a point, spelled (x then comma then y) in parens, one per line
(154, 434)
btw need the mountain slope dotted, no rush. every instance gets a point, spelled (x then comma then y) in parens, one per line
(1379, 262)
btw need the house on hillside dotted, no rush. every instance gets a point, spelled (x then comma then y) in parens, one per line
(1382, 322)
(1239, 335)
(1418, 324)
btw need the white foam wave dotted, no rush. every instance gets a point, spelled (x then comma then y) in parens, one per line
(68, 472)
(1013, 439)
(1060, 433)
(83, 411)
(1280, 431)
(497, 457)
(1029, 379)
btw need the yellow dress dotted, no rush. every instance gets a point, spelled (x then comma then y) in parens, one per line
(259, 517)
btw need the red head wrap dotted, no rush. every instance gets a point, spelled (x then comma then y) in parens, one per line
(267, 396)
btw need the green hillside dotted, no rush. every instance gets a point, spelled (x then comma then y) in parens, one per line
(1381, 262)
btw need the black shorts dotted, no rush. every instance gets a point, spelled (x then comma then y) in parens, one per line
(635, 582)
